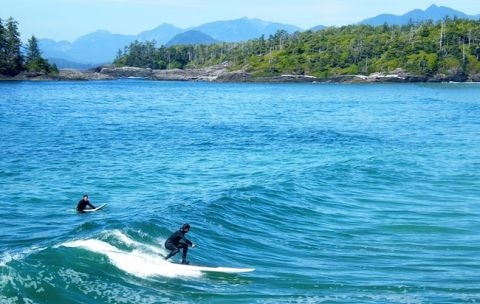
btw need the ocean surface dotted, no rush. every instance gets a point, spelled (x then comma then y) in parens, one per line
(333, 193)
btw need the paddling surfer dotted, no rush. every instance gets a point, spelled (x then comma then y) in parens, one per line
(174, 244)
(83, 203)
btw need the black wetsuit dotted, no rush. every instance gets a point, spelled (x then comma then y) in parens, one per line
(173, 243)
(82, 205)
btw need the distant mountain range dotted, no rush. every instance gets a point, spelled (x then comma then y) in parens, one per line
(318, 28)
(66, 64)
(243, 29)
(101, 46)
(161, 34)
(434, 12)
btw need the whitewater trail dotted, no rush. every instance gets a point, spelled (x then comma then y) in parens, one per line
(142, 261)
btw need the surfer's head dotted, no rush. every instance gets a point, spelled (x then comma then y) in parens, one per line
(85, 197)
(185, 228)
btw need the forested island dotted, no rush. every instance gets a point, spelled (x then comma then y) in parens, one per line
(448, 50)
(428, 51)
(14, 60)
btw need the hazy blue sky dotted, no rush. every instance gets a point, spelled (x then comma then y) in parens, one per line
(68, 19)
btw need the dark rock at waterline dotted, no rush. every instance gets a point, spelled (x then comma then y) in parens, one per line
(475, 78)
(66, 75)
(449, 78)
(237, 76)
(220, 73)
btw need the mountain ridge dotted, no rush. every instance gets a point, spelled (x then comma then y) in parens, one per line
(101, 46)
(242, 29)
(191, 37)
(433, 12)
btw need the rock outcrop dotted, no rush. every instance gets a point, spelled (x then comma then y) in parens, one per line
(204, 74)
(220, 73)
(65, 75)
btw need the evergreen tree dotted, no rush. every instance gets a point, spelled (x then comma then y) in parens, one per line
(53, 69)
(11, 59)
(450, 47)
(34, 61)
(33, 51)
(3, 46)
(13, 56)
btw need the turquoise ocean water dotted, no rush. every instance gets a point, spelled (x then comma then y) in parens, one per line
(334, 193)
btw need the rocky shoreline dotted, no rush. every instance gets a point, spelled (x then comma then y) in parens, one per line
(220, 73)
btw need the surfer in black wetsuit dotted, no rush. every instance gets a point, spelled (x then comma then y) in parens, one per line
(83, 203)
(174, 243)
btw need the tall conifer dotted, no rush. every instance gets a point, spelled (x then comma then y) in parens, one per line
(3, 45)
(33, 51)
(14, 60)
(34, 61)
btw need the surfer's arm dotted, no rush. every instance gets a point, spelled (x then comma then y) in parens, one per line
(187, 241)
(91, 206)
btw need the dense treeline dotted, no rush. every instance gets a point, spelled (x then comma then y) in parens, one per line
(12, 59)
(446, 47)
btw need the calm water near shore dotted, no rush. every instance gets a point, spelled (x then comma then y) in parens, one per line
(334, 193)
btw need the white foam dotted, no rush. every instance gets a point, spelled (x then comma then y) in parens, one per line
(121, 237)
(18, 255)
(6, 257)
(136, 262)
(132, 243)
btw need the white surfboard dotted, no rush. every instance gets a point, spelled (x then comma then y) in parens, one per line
(218, 269)
(96, 209)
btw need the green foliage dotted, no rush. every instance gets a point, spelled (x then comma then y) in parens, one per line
(11, 58)
(33, 51)
(3, 46)
(449, 47)
(450, 65)
(34, 61)
(473, 65)
(53, 69)
(422, 63)
(38, 65)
